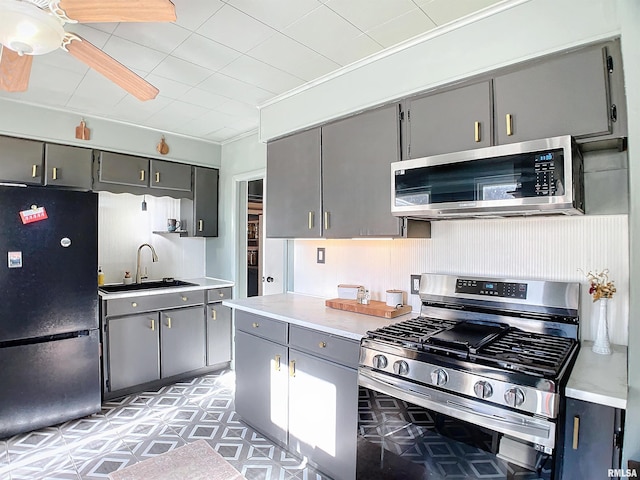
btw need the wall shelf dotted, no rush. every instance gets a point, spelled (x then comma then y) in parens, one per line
(182, 233)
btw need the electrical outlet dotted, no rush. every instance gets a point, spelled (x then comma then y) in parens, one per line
(320, 255)
(415, 284)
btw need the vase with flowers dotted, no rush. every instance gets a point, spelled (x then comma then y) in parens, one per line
(601, 289)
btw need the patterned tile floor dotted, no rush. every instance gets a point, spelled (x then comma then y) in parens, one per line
(140, 426)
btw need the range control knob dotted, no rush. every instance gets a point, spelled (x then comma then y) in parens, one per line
(483, 389)
(439, 377)
(400, 367)
(514, 397)
(379, 361)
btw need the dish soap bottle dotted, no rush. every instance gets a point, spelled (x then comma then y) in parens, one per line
(100, 276)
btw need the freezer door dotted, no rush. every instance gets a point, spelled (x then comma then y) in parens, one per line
(48, 279)
(48, 383)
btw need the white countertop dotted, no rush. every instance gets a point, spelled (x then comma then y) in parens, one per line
(598, 378)
(311, 312)
(202, 283)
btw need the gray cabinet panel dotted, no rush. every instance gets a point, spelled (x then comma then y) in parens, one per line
(567, 95)
(170, 176)
(67, 166)
(356, 156)
(134, 352)
(455, 120)
(262, 326)
(123, 169)
(293, 186)
(323, 406)
(199, 216)
(218, 334)
(182, 339)
(331, 347)
(21, 160)
(262, 392)
(144, 303)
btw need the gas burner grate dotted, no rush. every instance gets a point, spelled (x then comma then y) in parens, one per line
(528, 352)
(413, 333)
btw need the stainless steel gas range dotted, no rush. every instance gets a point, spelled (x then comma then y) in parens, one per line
(495, 353)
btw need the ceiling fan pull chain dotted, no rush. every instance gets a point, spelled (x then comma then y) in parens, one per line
(54, 6)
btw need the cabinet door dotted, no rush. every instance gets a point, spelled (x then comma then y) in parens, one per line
(218, 334)
(450, 121)
(124, 169)
(68, 166)
(323, 413)
(170, 176)
(21, 160)
(134, 354)
(588, 443)
(293, 186)
(182, 340)
(262, 385)
(567, 95)
(205, 203)
(356, 174)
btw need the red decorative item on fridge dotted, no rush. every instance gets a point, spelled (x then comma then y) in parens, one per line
(34, 214)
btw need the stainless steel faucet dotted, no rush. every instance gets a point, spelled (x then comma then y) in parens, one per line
(154, 257)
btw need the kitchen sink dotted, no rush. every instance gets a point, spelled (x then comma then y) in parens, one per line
(145, 286)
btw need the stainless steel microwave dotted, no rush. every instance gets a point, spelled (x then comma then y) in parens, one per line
(528, 178)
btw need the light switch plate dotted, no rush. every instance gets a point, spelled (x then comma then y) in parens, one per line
(320, 255)
(415, 284)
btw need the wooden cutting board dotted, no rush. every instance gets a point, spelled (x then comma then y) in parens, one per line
(375, 308)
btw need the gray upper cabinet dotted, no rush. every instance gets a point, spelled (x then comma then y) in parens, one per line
(454, 120)
(293, 186)
(170, 176)
(21, 160)
(566, 95)
(199, 215)
(123, 169)
(67, 166)
(356, 167)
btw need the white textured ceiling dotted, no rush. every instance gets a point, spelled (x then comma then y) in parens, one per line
(221, 59)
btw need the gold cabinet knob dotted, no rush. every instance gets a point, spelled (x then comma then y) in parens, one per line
(322, 344)
(255, 325)
(134, 304)
(184, 299)
(221, 294)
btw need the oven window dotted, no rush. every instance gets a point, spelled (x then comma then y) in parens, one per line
(399, 440)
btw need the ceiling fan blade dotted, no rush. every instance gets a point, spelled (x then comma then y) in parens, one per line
(92, 11)
(14, 71)
(112, 69)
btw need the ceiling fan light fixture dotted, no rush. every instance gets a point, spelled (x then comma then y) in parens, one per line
(27, 29)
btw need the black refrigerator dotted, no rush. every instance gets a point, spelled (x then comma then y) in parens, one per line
(49, 335)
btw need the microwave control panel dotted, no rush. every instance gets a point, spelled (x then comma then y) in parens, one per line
(544, 168)
(492, 289)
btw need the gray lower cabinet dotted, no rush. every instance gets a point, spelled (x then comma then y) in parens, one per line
(592, 442)
(21, 160)
(182, 341)
(218, 333)
(199, 215)
(454, 120)
(356, 174)
(67, 166)
(134, 351)
(169, 176)
(294, 186)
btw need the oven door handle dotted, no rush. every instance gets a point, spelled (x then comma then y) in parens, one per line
(393, 385)
(498, 418)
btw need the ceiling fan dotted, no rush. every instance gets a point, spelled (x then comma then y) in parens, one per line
(35, 27)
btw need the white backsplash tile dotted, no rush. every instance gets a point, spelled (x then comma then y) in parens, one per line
(123, 227)
(550, 248)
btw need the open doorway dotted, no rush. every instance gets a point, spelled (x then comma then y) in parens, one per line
(255, 250)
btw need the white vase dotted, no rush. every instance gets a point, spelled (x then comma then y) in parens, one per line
(601, 344)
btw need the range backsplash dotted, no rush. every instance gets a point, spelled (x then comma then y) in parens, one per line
(123, 227)
(550, 248)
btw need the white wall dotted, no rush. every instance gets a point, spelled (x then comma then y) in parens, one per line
(123, 227)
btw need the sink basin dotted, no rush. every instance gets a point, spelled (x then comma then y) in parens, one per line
(144, 286)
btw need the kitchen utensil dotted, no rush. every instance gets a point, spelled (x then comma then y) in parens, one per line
(172, 224)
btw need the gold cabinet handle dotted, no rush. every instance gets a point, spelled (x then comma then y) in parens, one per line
(576, 429)
(142, 175)
(292, 368)
(322, 345)
(277, 363)
(213, 314)
(134, 304)
(477, 131)
(168, 322)
(221, 294)
(153, 325)
(157, 177)
(311, 215)
(509, 121)
(326, 220)
(255, 325)
(54, 173)
(200, 225)
(184, 299)
(34, 171)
